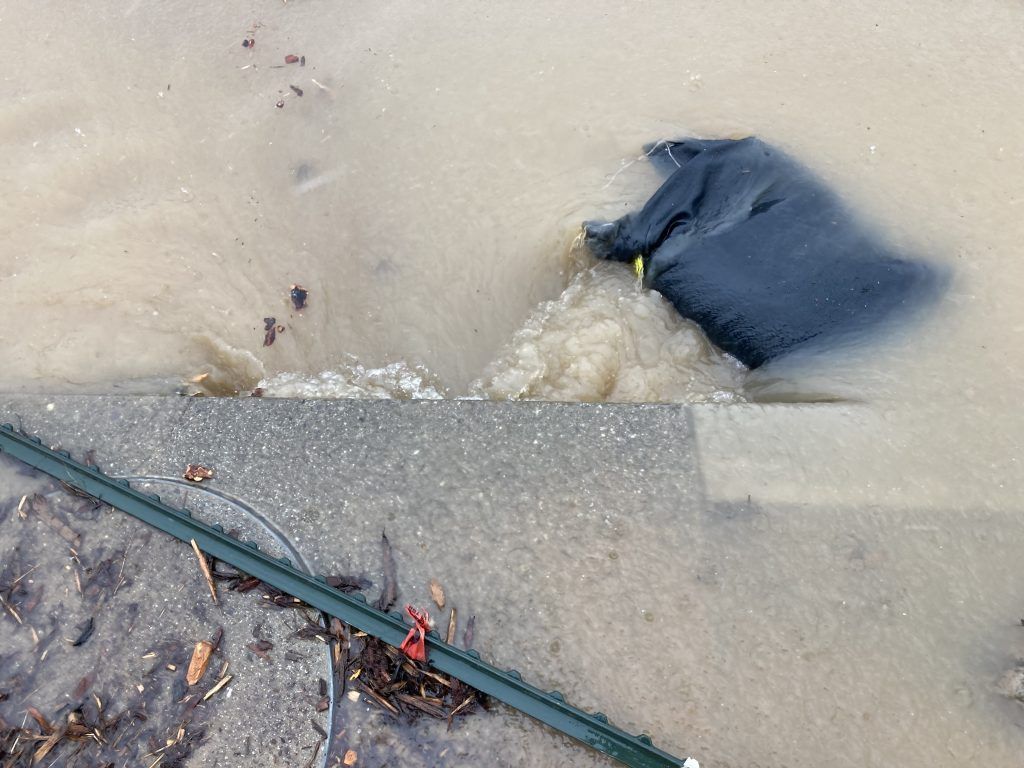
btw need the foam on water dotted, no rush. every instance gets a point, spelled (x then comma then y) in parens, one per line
(602, 339)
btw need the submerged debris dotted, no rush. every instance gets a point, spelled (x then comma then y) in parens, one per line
(389, 592)
(398, 680)
(85, 630)
(298, 296)
(291, 58)
(270, 323)
(260, 648)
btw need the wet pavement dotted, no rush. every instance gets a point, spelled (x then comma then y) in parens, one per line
(698, 574)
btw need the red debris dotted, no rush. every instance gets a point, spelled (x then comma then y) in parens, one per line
(414, 646)
(291, 58)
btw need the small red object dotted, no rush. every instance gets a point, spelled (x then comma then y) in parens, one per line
(291, 58)
(415, 646)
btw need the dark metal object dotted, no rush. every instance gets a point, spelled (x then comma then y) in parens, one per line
(507, 686)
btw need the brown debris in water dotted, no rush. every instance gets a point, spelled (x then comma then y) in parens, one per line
(389, 592)
(37, 505)
(299, 295)
(270, 323)
(260, 648)
(403, 688)
(96, 733)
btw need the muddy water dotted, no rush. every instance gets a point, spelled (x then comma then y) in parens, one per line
(427, 186)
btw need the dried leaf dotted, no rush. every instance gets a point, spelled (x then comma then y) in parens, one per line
(350, 757)
(437, 593)
(200, 661)
(197, 473)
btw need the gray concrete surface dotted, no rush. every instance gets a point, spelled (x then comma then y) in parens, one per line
(714, 576)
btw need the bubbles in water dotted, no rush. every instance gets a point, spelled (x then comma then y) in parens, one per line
(604, 339)
(398, 380)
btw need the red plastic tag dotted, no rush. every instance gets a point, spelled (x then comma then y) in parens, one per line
(414, 646)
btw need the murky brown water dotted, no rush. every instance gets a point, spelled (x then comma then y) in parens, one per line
(427, 186)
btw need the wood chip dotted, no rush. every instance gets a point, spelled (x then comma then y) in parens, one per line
(421, 704)
(437, 592)
(450, 637)
(205, 568)
(350, 757)
(220, 684)
(200, 661)
(469, 700)
(380, 700)
(49, 744)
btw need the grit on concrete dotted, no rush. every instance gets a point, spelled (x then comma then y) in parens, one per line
(694, 573)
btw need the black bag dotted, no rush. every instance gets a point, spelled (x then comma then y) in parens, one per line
(748, 244)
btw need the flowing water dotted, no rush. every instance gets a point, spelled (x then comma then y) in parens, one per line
(428, 184)
(424, 175)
